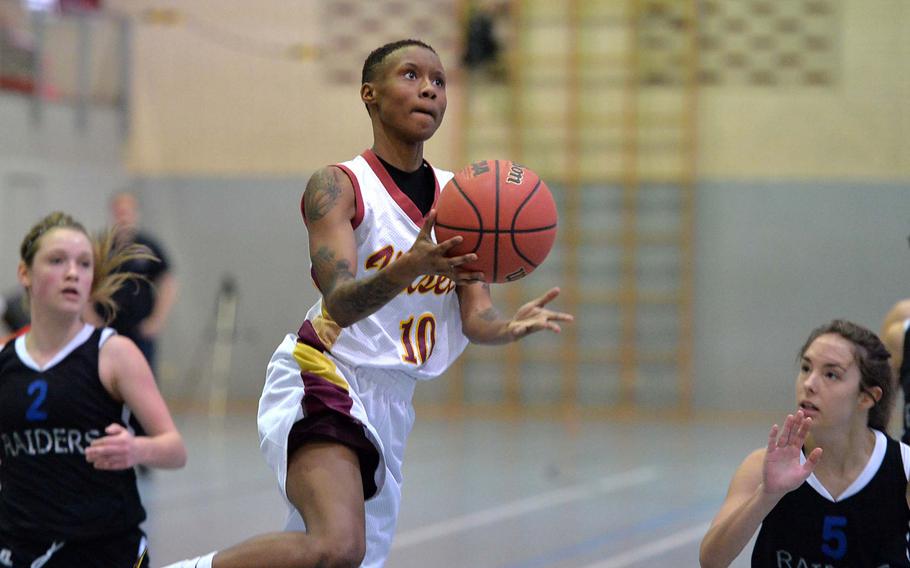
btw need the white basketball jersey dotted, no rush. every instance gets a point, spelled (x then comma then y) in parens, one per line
(417, 332)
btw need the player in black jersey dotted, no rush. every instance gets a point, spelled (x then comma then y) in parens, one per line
(830, 488)
(67, 389)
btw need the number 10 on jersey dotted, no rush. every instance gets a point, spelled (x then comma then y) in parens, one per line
(418, 339)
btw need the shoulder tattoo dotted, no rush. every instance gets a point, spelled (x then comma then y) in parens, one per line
(321, 194)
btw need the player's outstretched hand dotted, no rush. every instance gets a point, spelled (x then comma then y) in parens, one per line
(534, 316)
(117, 450)
(431, 258)
(782, 471)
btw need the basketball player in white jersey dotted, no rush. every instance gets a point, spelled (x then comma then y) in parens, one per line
(395, 309)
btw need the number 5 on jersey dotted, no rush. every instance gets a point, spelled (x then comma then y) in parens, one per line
(834, 537)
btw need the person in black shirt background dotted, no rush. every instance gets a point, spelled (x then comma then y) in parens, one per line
(143, 305)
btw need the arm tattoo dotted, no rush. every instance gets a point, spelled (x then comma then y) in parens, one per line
(489, 314)
(361, 300)
(372, 294)
(330, 271)
(320, 196)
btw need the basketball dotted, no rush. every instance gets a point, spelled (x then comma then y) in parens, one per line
(506, 215)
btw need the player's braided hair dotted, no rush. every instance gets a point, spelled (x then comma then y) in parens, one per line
(871, 358)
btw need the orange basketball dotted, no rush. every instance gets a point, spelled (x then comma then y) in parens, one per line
(506, 215)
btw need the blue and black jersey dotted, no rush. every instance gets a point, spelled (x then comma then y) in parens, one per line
(48, 417)
(866, 527)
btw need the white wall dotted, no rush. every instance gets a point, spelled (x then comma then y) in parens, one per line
(856, 128)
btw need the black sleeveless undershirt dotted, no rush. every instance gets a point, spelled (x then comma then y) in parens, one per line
(419, 185)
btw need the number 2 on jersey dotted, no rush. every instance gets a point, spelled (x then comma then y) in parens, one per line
(38, 389)
(419, 348)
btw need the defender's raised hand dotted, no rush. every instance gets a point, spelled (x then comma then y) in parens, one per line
(782, 472)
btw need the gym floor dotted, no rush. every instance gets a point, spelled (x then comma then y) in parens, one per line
(480, 493)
